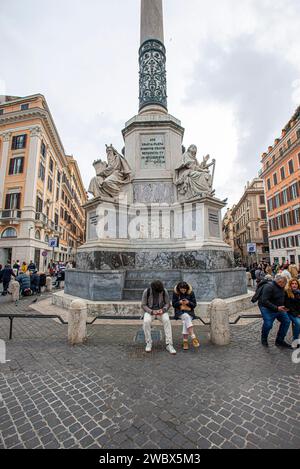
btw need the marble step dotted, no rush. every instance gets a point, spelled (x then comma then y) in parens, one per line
(150, 275)
(135, 294)
(145, 283)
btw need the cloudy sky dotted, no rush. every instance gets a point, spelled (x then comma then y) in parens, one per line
(233, 73)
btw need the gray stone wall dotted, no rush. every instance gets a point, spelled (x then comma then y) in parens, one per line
(95, 286)
(168, 260)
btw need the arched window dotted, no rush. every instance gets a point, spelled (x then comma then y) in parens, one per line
(37, 234)
(9, 233)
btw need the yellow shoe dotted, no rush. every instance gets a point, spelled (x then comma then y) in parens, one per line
(185, 345)
(196, 342)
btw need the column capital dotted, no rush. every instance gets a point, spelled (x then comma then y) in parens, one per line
(6, 136)
(36, 131)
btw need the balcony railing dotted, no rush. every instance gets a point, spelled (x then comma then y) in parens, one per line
(41, 217)
(10, 214)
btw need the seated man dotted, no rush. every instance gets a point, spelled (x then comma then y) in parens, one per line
(155, 304)
(271, 304)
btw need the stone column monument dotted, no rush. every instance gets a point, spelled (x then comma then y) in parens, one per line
(154, 214)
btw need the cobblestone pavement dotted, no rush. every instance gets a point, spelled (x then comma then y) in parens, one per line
(110, 394)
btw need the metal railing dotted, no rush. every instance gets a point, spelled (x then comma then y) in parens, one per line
(12, 316)
(10, 214)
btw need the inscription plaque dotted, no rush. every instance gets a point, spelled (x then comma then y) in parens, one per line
(153, 152)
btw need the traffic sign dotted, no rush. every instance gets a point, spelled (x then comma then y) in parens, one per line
(53, 243)
(251, 248)
(45, 253)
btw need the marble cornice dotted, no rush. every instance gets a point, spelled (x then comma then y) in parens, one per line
(37, 113)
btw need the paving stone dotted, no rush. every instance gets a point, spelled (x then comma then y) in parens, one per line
(109, 394)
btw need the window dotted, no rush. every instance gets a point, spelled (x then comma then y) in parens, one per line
(50, 184)
(281, 151)
(269, 184)
(51, 165)
(299, 159)
(298, 133)
(285, 196)
(37, 234)
(262, 199)
(42, 172)
(263, 214)
(12, 201)
(294, 191)
(46, 239)
(57, 194)
(58, 177)
(19, 142)
(24, 107)
(43, 150)
(273, 159)
(9, 233)
(282, 173)
(16, 166)
(291, 166)
(39, 205)
(275, 179)
(1, 112)
(289, 143)
(277, 201)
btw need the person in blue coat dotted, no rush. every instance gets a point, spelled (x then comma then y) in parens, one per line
(24, 281)
(184, 303)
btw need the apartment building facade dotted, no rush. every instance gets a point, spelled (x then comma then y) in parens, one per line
(281, 175)
(250, 224)
(41, 190)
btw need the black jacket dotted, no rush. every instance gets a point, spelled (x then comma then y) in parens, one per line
(6, 274)
(272, 297)
(177, 297)
(293, 304)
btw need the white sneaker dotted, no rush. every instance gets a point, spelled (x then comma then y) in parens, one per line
(148, 348)
(171, 349)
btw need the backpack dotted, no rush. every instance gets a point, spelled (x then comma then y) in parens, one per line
(259, 291)
(27, 292)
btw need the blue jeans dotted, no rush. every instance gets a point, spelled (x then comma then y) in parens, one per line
(269, 317)
(296, 326)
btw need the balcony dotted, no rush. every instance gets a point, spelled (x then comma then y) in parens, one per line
(41, 220)
(10, 216)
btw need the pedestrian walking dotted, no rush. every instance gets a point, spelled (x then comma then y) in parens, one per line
(293, 270)
(5, 277)
(156, 304)
(184, 303)
(24, 267)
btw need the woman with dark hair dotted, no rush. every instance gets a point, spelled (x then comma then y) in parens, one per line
(156, 304)
(184, 302)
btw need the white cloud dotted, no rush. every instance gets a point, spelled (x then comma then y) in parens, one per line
(83, 56)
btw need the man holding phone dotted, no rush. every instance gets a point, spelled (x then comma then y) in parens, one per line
(271, 305)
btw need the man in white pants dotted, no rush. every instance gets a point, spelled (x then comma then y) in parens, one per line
(156, 304)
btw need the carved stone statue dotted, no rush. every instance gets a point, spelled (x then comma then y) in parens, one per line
(111, 176)
(193, 179)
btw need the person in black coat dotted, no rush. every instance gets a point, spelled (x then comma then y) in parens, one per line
(272, 306)
(184, 303)
(6, 275)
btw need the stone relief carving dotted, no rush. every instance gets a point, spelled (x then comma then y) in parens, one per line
(193, 179)
(112, 176)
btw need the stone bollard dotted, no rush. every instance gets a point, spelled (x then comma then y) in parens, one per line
(219, 319)
(77, 318)
(49, 284)
(15, 291)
